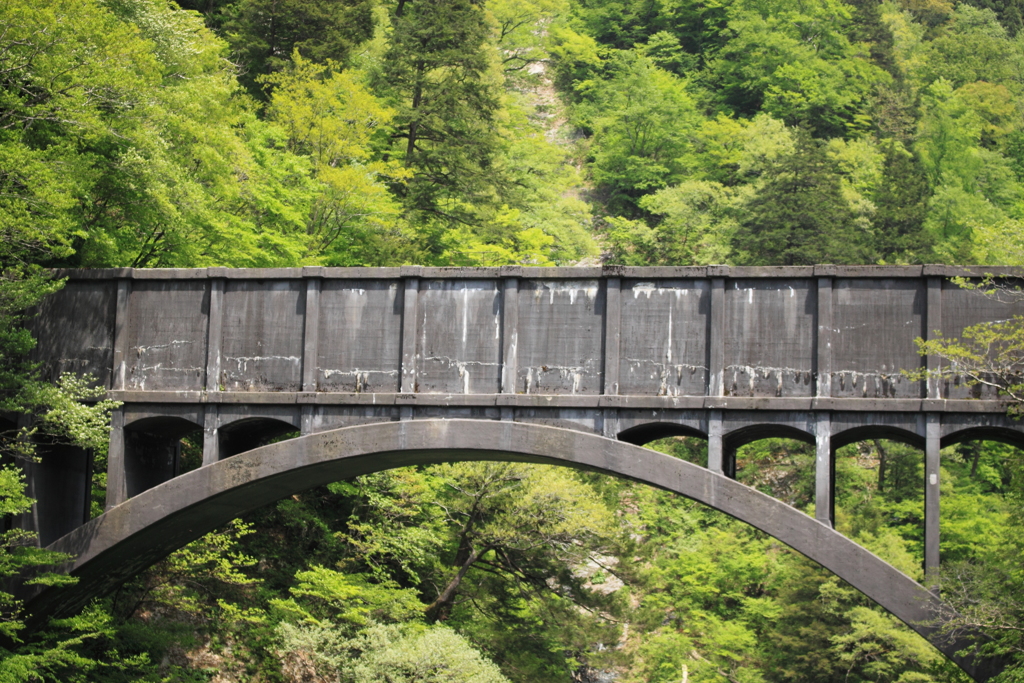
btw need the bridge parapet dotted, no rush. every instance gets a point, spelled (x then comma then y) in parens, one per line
(821, 332)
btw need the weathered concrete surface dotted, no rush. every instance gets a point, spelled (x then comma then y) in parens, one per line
(139, 532)
(519, 331)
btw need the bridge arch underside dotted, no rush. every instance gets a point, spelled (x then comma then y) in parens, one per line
(139, 532)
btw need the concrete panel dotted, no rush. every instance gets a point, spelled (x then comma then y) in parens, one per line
(189, 412)
(75, 330)
(770, 337)
(962, 308)
(229, 413)
(459, 337)
(663, 336)
(560, 337)
(876, 323)
(360, 336)
(581, 420)
(461, 413)
(848, 427)
(167, 321)
(261, 347)
(961, 427)
(334, 417)
(741, 427)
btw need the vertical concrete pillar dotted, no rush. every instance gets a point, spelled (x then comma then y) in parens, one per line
(121, 334)
(117, 491)
(311, 334)
(824, 471)
(61, 479)
(509, 334)
(214, 334)
(715, 454)
(211, 434)
(306, 420)
(823, 374)
(409, 323)
(612, 326)
(716, 338)
(933, 434)
(610, 423)
(933, 327)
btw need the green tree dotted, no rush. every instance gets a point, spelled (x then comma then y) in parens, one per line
(264, 34)
(800, 215)
(643, 121)
(437, 75)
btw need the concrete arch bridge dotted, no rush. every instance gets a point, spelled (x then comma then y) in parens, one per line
(380, 368)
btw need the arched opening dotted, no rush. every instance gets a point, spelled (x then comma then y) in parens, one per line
(878, 472)
(154, 453)
(678, 440)
(249, 433)
(980, 528)
(773, 458)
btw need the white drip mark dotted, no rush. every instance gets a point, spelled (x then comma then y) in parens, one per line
(461, 366)
(665, 373)
(243, 361)
(465, 313)
(177, 342)
(668, 344)
(766, 371)
(573, 288)
(648, 288)
(362, 377)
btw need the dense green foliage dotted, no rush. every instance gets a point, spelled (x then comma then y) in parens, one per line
(537, 132)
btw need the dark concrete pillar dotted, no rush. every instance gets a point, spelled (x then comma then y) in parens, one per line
(117, 487)
(728, 460)
(62, 482)
(716, 338)
(933, 433)
(933, 327)
(121, 334)
(409, 323)
(612, 325)
(715, 447)
(213, 334)
(211, 434)
(311, 334)
(509, 335)
(150, 460)
(823, 375)
(824, 471)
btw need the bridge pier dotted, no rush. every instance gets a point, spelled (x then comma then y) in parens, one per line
(211, 435)
(824, 471)
(60, 482)
(933, 443)
(715, 449)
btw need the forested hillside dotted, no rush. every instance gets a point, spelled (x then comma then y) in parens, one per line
(539, 132)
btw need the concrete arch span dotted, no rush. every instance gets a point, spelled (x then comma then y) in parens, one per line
(132, 536)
